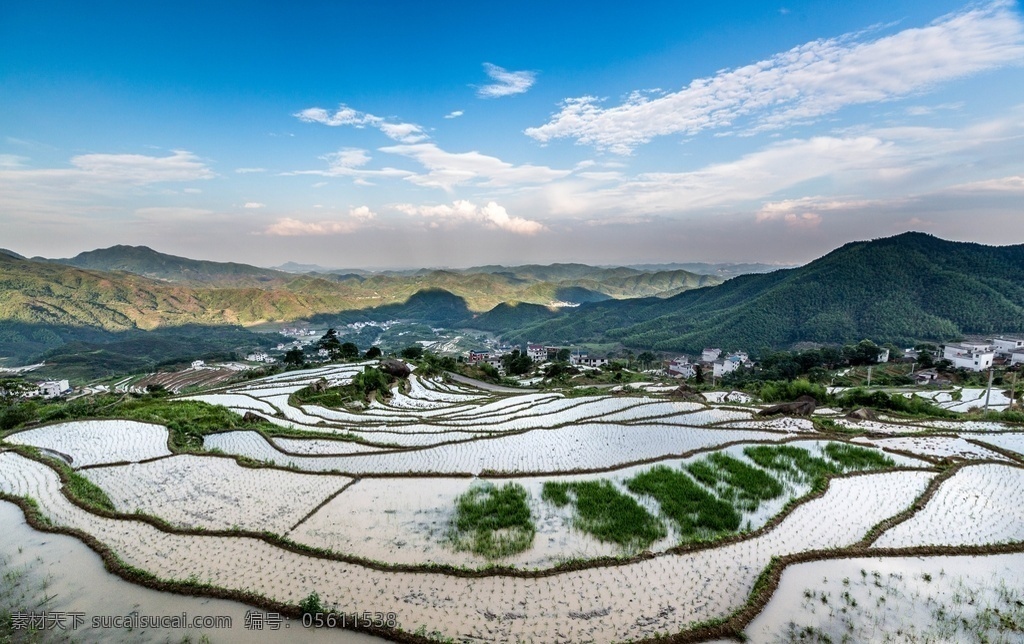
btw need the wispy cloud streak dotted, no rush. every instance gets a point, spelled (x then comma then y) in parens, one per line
(802, 84)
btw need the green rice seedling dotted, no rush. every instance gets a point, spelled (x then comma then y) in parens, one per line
(852, 457)
(605, 512)
(794, 462)
(734, 480)
(697, 512)
(493, 522)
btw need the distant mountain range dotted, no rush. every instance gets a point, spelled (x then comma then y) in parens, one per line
(900, 289)
(134, 287)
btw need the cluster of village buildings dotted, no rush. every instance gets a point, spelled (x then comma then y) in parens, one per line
(968, 355)
(981, 356)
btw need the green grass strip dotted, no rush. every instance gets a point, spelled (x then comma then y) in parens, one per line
(493, 521)
(605, 512)
(696, 511)
(736, 481)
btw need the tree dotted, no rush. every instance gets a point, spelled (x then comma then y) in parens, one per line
(295, 357)
(863, 353)
(348, 351)
(371, 379)
(563, 355)
(516, 363)
(331, 343)
(372, 353)
(413, 352)
(698, 374)
(645, 359)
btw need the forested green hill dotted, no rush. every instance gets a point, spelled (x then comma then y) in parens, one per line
(899, 289)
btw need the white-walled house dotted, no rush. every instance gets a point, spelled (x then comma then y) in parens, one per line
(198, 364)
(1017, 357)
(710, 355)
(883, 356)
(537, 352)
(52, 388)
(972, 357)
(681, 368)
(1004, 347)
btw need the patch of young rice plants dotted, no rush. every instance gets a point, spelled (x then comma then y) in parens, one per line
(629, 602)
(509, 404)
(237, 402)
(785, 423)
(314, 446)
(794, 463)
(605, 512)
(853, 458)
(1013, 441)
(938, 446)
(965, 425)
(897, 599)
(492, 521)
(980, 504)
(971, 397)
(215, 493)
(90, 442)
(728, 397)
(733, 480)
(585, 446)
(697, 513)
(427, 390)
(877, 426)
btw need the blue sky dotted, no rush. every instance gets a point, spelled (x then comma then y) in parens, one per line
(397, 134)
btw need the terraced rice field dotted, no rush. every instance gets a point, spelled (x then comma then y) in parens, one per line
(481, 515)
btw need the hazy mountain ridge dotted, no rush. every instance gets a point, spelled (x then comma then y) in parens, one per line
(299, 294)
(911, 286)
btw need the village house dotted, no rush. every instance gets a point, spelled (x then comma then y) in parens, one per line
(478, 356)
(710, 355)
(52, 388)
(1005, 347)
(259, 356)
(584, 360)
(198, 364)
(536, 352)
(970, 356)
(681, 368)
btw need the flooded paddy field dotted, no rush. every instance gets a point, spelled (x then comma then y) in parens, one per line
(458, 513)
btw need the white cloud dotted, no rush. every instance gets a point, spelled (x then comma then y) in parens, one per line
(347, 158)
(172, 213)
(345, 115)
(348, 162)
(454, 115)
(249, 170)
(404, 132)
(492, 215)
(505, 83)
(356, 219)
(449, 169)
(12, 161)
(289, 227)
(804, 83)
(138, 168)
(1003, 184)
(192, 191)
(254, 204)
(362, 212)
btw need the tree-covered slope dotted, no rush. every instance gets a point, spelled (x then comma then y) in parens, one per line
(899, 289)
